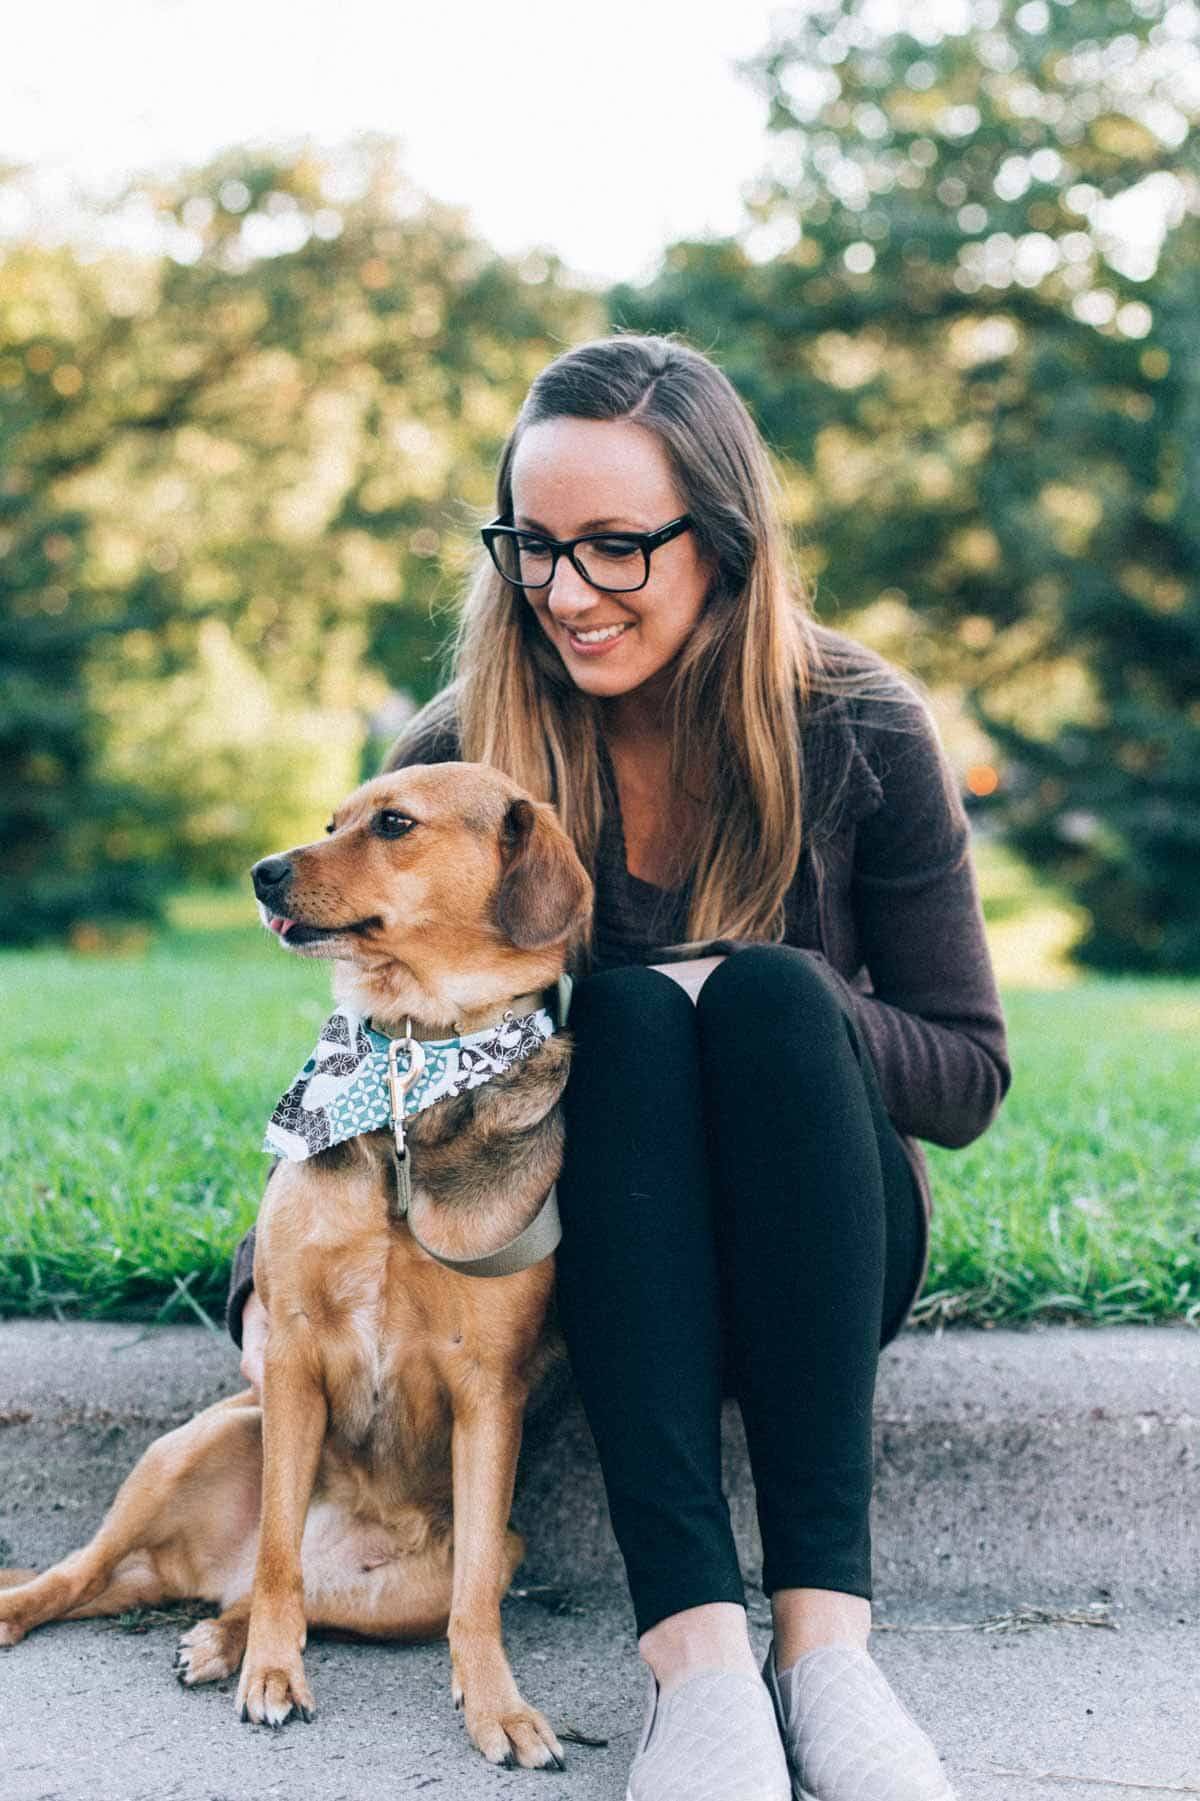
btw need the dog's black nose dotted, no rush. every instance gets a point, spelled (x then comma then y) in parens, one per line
(271, 878)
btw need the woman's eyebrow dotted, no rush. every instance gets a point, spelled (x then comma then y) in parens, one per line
(589, 525)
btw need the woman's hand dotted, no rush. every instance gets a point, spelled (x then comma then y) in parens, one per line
(254, 1338)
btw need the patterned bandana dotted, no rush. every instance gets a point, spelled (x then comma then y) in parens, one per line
(343, 1088)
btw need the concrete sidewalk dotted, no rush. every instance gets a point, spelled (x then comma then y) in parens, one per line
(1024, 1481)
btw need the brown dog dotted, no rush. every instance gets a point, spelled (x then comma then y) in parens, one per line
(371, 1491)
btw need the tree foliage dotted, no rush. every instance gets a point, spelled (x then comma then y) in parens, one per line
(257, 453)
(964, 316)
(70, 844)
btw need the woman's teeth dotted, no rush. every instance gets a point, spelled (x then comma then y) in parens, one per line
(598, 637)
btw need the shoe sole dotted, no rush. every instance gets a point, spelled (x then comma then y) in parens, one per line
(803, 1794)
(799, 1794)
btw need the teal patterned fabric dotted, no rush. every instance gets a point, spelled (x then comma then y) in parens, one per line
(342, 1090)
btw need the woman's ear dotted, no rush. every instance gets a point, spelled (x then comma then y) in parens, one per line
(544, 890)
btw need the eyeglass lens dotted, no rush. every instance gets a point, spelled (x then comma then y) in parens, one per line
(615, 564)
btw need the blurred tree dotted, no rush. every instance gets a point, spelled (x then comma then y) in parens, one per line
(292, 407)
(70, 837)
(964, 311)
(321, 501)
(1110, 803)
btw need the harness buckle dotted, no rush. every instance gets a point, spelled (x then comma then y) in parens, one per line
(399, 1085)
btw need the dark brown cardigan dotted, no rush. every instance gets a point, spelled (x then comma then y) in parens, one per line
(885, 896)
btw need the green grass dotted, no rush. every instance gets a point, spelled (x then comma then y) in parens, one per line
(1081, 1200)
(136, 1089)
(130, 1122)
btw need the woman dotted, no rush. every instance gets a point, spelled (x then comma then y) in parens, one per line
(634, 649)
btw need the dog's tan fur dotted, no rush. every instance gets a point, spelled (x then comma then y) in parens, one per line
(371, 1490)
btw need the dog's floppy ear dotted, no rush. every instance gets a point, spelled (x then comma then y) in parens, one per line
(544, 889)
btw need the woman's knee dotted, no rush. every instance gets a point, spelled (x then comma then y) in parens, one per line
(770, 985)
(631, 995)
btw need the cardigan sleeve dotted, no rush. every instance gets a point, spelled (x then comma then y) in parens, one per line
(932, 1018)
(241, 1286)
(430, 736)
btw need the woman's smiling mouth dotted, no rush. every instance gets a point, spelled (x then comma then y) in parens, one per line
(596, 643)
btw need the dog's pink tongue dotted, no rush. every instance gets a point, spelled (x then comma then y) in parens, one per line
(280, 924)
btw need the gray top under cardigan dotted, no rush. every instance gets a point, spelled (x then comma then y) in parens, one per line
(885, 895)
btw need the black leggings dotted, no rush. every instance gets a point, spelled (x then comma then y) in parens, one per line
(739, 1217)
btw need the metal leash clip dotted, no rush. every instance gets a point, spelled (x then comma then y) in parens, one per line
(398, 1087)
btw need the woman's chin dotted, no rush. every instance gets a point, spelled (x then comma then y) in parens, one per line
(608, 678)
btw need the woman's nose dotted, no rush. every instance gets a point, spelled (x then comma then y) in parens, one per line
(568, 594)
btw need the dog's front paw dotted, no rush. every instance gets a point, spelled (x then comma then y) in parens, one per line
(512, 1732)
(273, 1687)
(211, 1650)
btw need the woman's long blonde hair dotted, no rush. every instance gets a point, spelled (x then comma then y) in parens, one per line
(752, 660)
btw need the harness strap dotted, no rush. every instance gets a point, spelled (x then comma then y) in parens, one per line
(532, 1243)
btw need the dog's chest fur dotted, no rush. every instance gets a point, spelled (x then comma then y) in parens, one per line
(401, 1340)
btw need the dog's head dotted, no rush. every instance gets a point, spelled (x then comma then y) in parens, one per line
(434, 883)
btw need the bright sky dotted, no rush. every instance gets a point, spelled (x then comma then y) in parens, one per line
(601, 132)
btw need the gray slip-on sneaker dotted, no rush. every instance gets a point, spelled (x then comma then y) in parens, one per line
(712, 1737)
(848, 1735)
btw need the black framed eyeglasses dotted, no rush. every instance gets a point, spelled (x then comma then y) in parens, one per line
(614, 562)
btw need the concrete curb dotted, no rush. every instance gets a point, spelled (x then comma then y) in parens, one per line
(1053, 1466)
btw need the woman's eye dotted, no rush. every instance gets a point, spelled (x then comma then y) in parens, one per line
(393, 825)
(616, 547)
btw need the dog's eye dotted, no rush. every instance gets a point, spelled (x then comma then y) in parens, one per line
(390, 824)
(331, 827)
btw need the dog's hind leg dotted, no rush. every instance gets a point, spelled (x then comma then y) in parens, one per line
(134, 1583)
(146, 1549)
(214, 1648)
